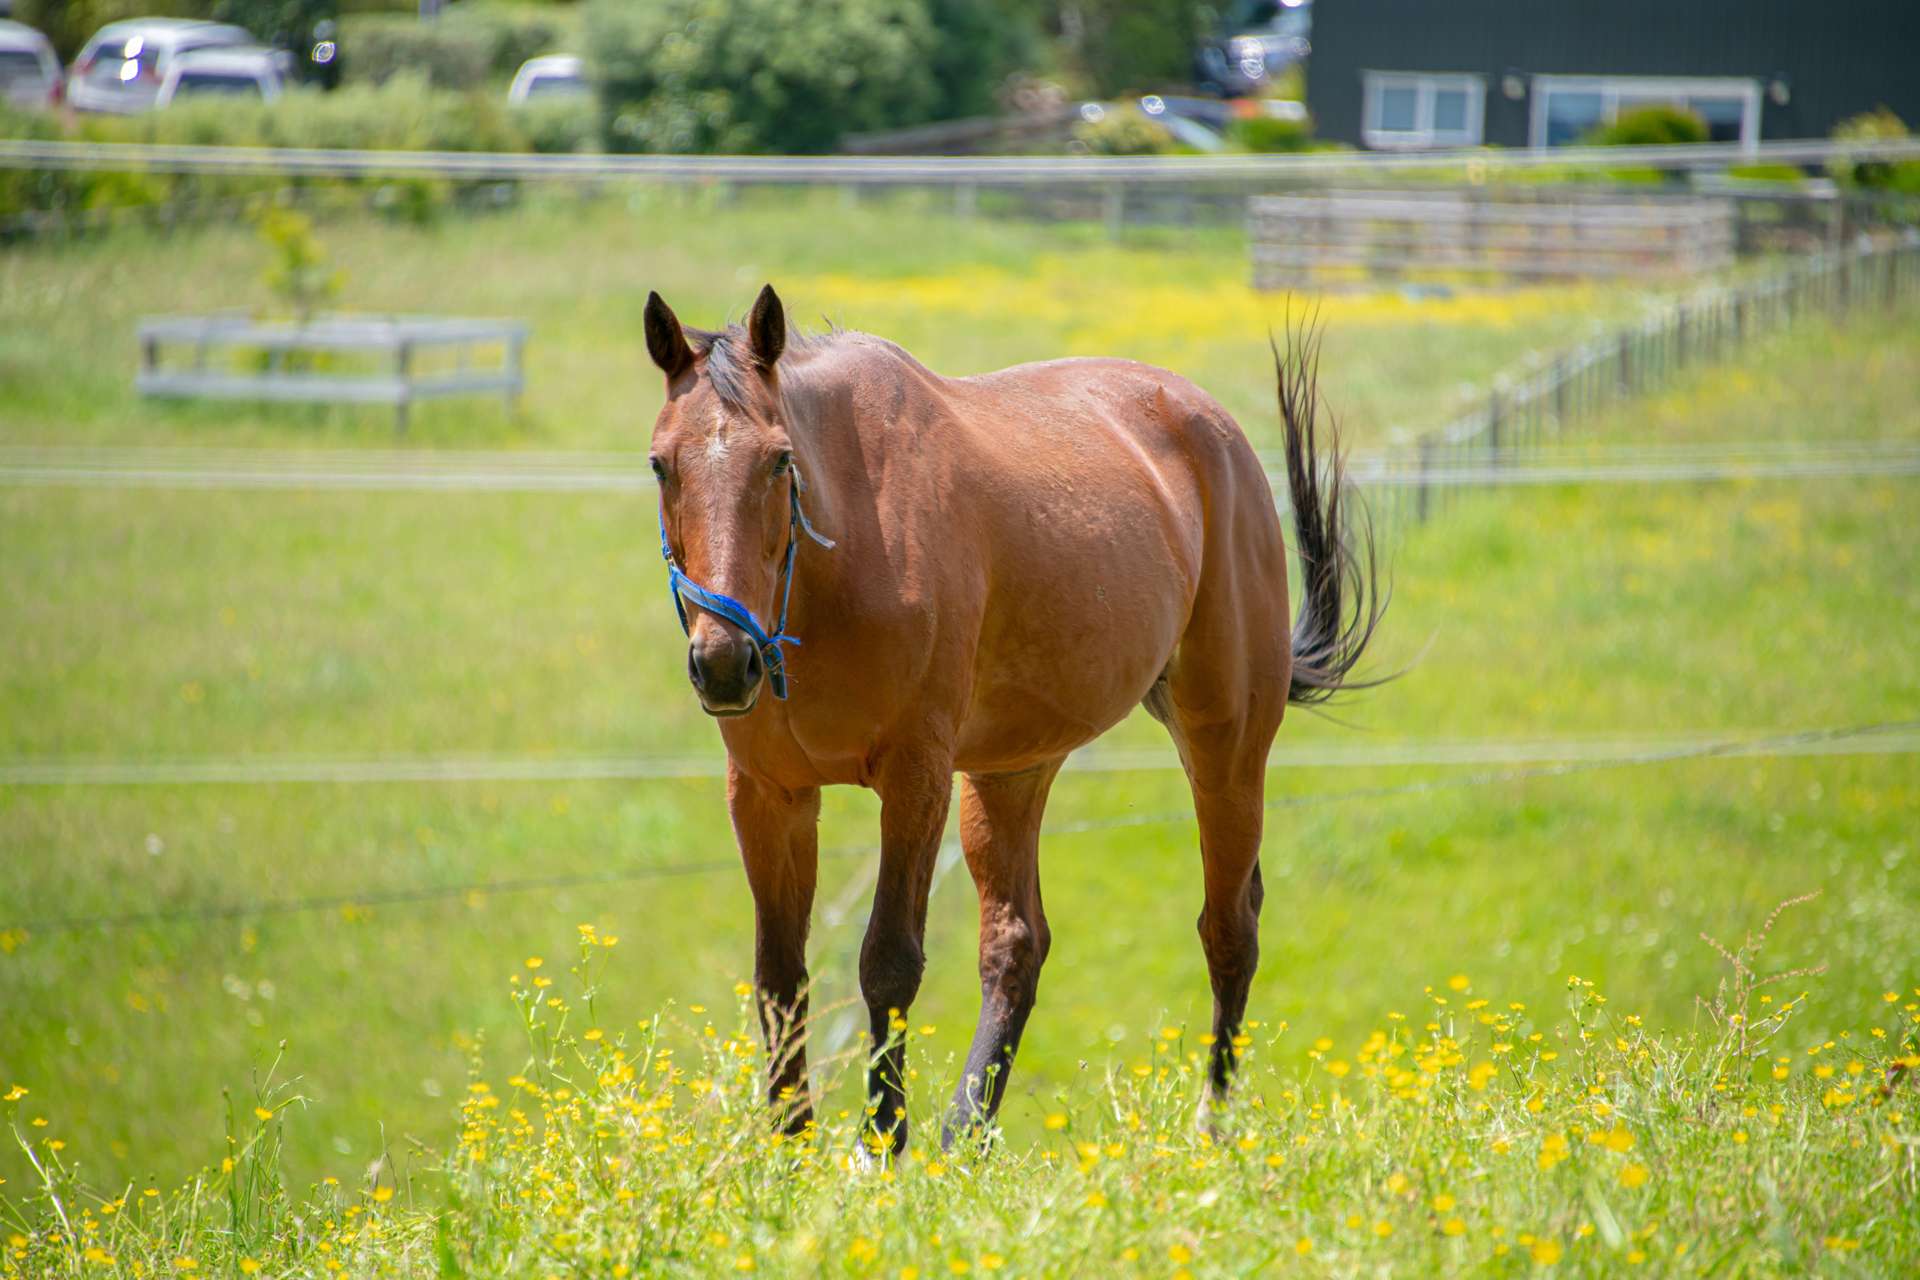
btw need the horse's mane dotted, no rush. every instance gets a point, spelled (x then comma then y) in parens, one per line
(730, 360)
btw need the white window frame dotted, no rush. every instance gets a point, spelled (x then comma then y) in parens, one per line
(1424, 84)
(1673, 88)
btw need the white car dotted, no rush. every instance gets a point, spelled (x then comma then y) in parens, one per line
(553, 75)
(246, 71)
(122, 68)
(29, 68)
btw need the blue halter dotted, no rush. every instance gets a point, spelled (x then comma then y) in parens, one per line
(685, 588)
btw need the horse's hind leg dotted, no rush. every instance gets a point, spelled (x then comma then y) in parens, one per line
(1222, 700)
(1000, 833)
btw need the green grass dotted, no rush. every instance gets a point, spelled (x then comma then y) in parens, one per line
(965, 296)
(153, 625)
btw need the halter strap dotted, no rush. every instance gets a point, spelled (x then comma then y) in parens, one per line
(767, 643)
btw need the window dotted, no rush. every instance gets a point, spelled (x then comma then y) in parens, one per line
(1405, 109)
(227, 82)
(1566, 108)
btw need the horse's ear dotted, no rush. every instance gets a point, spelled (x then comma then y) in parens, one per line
(666, 342)
(767, 328)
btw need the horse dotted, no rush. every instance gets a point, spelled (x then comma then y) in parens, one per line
(976, 576)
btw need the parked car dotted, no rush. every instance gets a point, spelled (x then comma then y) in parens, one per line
(122, 68)
(29, 68)
(1258, 40)
(553, 75)
(248, 71)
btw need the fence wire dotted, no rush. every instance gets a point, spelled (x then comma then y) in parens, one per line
(1895, 735)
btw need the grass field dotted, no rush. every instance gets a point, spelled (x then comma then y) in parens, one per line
(965, 296)
(154, 625)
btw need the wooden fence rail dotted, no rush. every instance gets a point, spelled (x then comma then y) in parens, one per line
(1509, 232)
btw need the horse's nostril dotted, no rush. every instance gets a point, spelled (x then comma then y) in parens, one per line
(693, 670)
(753, 667)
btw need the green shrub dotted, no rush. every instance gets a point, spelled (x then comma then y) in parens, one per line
(1267, 133)
(1874, 175)
(1780, 173)
(1124, 133)
(1139, 44)
(452, 55)
(757, 75)
(1657, 126)
(462, 49)
(558, 126)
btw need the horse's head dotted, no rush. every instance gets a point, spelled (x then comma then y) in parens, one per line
(725, 466)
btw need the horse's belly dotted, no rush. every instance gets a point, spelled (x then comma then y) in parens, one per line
(1064, 656)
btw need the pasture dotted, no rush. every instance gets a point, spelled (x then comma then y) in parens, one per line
(374, 927)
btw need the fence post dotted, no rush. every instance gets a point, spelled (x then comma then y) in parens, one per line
(966, 197)
(1626, 362)
(1493, 421)
(1113, 209)
(1426, 465)
(1740, 318)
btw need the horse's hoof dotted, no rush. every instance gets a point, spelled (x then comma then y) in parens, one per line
(1206, 1118)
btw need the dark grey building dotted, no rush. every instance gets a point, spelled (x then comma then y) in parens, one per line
(1516, 73)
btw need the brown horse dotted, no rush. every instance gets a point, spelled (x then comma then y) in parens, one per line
(1005, 565)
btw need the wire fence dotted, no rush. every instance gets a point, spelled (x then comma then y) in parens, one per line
(1877, 738)
(1530, 409)
(169, 185)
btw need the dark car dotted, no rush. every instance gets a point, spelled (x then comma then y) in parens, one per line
(1258, 40)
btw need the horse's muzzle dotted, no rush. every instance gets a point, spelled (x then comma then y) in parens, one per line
(725, 669)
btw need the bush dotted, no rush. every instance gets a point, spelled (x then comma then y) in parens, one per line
(462, 49)
(1124, 133)
(558, 126)
(1139, 44)
(1660, 126)
(1874, 175)
(1267, 133)
(758, 75)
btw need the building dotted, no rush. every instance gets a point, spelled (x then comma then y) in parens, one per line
(1518, 73)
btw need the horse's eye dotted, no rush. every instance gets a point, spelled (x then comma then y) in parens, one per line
(659, 469)
(782, 463)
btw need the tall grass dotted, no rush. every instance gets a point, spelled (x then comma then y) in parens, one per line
(1464, 1133)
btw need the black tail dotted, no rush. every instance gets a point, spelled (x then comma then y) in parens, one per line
(1342, 602)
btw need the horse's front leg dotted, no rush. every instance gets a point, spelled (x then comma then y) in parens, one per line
(778, 834)
(914, 795)
(1000, 832)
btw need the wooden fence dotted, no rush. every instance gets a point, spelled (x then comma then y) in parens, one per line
(1532, 406)
(1295, 238)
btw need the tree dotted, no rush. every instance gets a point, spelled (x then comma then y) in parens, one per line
(758, 75)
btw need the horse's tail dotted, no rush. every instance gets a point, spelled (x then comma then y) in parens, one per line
(1342, 600)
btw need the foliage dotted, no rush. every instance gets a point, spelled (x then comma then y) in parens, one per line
(1138, 44)
(402, 114)
(1875, 175)
(1654, 126)
(768, 75)
(1124, 132)
(1268, 133)
(558, 125)
(1476, 1133)
(464, 48)
(70, 23)
(297, 272)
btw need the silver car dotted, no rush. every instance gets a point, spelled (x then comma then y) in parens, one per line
(122, 68)
(29, 68)
(241, 71)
